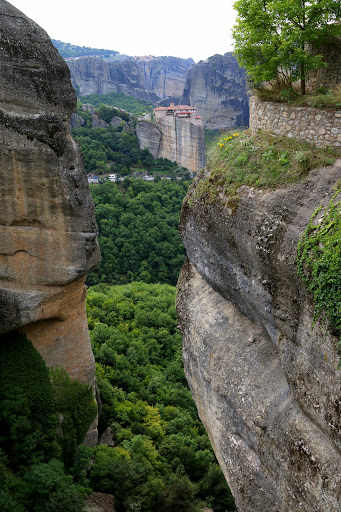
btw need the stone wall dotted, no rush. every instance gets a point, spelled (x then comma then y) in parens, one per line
(318, 126)
(329, 76)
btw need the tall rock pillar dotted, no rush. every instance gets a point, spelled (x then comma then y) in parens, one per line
(48, 237)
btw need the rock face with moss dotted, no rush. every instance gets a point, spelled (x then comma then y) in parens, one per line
(266, 384)
(217, 87)
(48, 239)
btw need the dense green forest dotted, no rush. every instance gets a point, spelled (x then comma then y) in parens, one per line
(120, 100)
(138, 231)
(162, 458)
(70, 50)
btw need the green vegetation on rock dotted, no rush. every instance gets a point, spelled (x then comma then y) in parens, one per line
(259, 160)
(328, 99)
(120, 100)
(162, 459)
(211, 137)
(138, 231)
(319, 264)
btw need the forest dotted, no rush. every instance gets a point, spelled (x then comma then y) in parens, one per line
(138, 231)
(160, 457)
(119, 100)
(68, 50)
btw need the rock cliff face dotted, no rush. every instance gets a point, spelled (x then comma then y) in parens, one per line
(143, 78)
(149, 136)
(165, 76)
(218, 89)
(48, 239)
(266, 385)
(174, 138)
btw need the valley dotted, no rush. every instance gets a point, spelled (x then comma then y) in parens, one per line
(170, 270)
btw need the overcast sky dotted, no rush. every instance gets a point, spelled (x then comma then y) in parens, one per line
(181, 28)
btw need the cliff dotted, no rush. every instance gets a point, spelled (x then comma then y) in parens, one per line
(218, 88)
(266, 384)
(145, 78)
(174, 138)
(48, 237)
(164, 76)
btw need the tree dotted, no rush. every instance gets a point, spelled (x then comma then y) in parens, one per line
(273, 38)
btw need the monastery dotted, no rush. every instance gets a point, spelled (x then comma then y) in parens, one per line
(181, 111)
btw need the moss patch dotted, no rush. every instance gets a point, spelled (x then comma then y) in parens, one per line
(319, 265)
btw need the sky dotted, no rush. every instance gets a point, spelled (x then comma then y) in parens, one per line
(180, 28)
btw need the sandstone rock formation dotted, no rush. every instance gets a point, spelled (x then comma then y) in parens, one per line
(218, 88)
(174, 138)
(48, 239)
(165, 76)
(266, 385)
(149, 136)
(145, 78)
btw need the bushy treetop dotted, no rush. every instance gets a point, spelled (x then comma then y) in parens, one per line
(273, 37)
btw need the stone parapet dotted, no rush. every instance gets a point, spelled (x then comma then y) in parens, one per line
(318, 126)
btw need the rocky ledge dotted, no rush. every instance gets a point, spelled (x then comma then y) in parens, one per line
(267, 385)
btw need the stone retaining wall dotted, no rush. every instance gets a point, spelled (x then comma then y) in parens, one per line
(321, 127)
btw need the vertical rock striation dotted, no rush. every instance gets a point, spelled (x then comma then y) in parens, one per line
(266, 385)
(179, 140)
(164, 76)
(145, 78)
(217, 86)
(48, 238)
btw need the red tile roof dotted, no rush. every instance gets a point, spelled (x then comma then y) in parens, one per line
(176, 107)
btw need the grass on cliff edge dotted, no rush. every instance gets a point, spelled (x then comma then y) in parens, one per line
(261, 161)
(328, 99)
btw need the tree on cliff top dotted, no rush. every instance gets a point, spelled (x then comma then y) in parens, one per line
(272, 37)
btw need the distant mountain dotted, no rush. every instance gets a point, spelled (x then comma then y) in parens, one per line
(218, 88)
(145, 78)
(68, 50)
